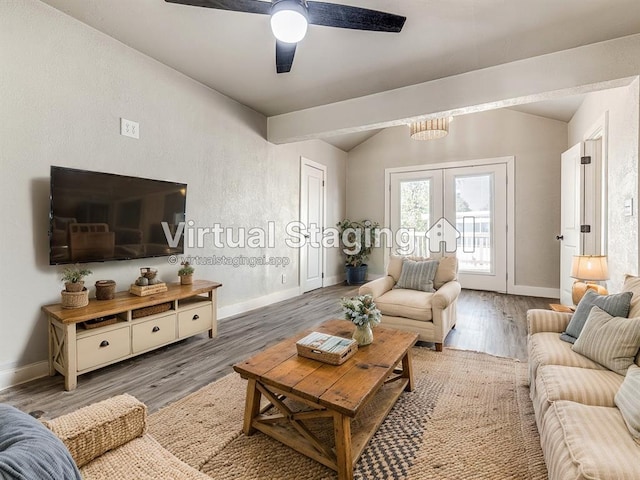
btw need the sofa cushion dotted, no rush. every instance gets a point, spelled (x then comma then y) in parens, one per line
(417, 275)
(546, 348)
(29, 451)
(447, 271)
(616, 305)
(582, 385)
(394, 268)
(632, 284)
(401, 302)
(447, 268)
(628, 401)
(586, 442)
(610, 341)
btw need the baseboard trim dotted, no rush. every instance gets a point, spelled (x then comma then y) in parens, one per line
(10, 377)
(243, 307)
(334, 280)
(529, 291)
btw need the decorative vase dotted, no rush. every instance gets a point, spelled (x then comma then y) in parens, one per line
(186, 279)
(356, 275)
(363, 334)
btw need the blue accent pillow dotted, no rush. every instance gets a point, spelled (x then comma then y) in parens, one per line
(418, 275)
(30, 451)
(616, 305)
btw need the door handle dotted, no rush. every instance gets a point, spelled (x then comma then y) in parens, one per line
(559, 237)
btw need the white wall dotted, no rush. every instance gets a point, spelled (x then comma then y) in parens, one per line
(621, 106)
(63, 88)
(535, 142)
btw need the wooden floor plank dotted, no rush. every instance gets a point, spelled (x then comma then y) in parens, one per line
(487, 321)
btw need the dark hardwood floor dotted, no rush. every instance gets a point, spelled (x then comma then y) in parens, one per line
(488, 322)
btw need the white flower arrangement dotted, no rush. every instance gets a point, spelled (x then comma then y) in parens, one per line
(361, 310)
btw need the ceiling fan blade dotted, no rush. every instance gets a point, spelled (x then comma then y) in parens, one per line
(345, 16)
(284, 56)
(249, 6)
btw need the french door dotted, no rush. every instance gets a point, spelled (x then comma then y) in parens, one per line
(459, 210)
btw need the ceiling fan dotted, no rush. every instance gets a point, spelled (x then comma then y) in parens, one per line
(290, 18)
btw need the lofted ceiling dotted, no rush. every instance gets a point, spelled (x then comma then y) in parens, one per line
(234, 52)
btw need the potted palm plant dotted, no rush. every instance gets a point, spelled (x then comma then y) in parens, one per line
(358, 239)
(75, 294)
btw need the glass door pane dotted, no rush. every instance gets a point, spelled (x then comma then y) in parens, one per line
(416, 205)
(474, 221)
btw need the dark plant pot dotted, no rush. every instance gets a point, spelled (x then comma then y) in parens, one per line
(356, 275)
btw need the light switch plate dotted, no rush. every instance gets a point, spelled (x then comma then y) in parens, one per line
(129, 128)
(628, 207)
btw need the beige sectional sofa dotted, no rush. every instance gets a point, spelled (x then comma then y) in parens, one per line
(430, 314)
(582, 431)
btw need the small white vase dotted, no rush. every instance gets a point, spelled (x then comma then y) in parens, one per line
(363, 334)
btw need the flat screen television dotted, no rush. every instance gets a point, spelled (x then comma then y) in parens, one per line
(97, 217)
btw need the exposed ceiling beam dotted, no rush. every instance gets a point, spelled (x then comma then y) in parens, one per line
(588, 68)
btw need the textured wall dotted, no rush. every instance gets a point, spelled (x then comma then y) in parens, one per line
(621, 106)
(535, 142)
(63, 88)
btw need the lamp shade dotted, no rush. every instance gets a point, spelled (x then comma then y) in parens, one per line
(591, 268)
(430, 129)
(289, 20)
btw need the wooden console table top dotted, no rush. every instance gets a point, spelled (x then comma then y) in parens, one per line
(124, 301)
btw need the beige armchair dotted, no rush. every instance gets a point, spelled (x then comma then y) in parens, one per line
(429, 314)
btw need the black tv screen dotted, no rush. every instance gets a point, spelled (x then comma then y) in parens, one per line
(97, 217)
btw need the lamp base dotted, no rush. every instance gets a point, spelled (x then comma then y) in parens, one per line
(580, 288)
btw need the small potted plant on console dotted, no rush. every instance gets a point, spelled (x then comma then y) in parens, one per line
(75, 294)
(186, 274)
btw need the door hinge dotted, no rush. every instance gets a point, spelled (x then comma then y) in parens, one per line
(323, 183)
(585, 160)
(585, 228)
(322, 275)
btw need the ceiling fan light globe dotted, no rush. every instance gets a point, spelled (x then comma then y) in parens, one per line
(289, 26)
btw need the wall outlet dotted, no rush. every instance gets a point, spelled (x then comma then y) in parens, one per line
(129, 128)
(284, 278)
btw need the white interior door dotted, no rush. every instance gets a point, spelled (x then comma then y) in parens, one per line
(461, 210)
(581, 216)
(312, 177)
(570, 217)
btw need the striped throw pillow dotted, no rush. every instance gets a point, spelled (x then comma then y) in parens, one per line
(628, 401)
(610, 341)
(417, 275)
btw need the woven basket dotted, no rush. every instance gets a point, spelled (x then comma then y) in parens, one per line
(105, 289)
(152, 310)
(75, 299)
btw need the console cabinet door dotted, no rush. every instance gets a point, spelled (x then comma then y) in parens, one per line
(153, 333)
(103, 348)
(195, 320)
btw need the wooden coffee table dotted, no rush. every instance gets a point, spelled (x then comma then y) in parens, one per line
(311, 397)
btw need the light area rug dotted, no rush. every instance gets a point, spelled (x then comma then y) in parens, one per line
(469, 417)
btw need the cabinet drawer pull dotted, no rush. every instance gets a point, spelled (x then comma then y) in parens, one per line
(155, 329)
(195, 317)
(104, 343)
